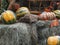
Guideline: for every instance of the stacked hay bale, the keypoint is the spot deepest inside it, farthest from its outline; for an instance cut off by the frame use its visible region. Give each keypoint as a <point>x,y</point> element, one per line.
<point>18,34</point>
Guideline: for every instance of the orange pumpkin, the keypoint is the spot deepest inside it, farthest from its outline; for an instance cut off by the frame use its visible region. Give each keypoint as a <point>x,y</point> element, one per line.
<point>47,9</point>
<point>53,40</point>
<point>54,23</point>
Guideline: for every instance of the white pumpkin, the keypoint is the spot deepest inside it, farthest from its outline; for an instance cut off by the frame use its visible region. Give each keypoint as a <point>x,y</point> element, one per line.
<point>47,16</point>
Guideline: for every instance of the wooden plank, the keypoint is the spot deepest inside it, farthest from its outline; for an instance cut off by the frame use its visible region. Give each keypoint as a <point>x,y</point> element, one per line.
<point>35,12</point>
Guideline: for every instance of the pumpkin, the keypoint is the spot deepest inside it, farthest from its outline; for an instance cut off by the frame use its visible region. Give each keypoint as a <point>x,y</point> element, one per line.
<point>54,23</point>
<point>8,17</point>
<point>47,9</point>
<point>53,40</point>
<point>22,11</point>
<point>47,16</point>
<point>57,12</point>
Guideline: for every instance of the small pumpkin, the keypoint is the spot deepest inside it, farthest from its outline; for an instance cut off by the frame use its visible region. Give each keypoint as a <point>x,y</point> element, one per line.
<point>22,11</point>
<point>8,17</point>
<point>47,15</point>
<point>47,9</point>
<point>55,22</point>
<point>57,12</point>
<point>53,40</point>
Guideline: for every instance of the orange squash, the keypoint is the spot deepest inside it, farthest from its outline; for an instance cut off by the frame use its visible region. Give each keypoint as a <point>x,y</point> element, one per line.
<point>54,23</point>
<point>47,9</point>
<point>8,17</point>
<point>53,40</point>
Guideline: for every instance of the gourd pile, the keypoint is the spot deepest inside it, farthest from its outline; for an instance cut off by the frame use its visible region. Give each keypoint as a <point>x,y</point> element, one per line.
<point>9,17</point>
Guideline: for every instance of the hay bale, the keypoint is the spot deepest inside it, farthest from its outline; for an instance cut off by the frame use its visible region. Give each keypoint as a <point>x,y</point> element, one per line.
<point>44,31</point>
<point>16,34</point>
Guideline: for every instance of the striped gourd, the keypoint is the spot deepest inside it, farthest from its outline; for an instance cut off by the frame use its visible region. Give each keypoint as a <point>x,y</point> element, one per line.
<point>22,11</point>
<point>47,15</point>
